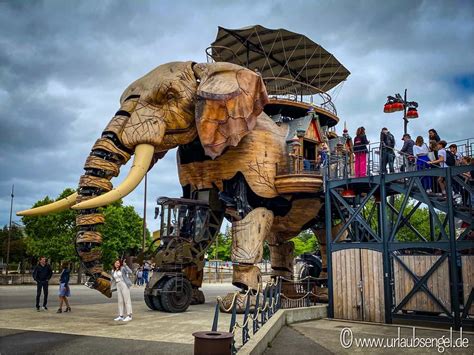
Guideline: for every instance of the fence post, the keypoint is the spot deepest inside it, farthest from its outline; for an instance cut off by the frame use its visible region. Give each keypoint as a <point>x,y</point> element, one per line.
<point>255,325</point>
<point>216,318</point>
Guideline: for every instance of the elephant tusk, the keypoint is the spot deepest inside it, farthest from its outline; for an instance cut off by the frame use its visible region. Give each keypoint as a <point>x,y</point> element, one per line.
<point>141,163</point>
<point>57,206</point>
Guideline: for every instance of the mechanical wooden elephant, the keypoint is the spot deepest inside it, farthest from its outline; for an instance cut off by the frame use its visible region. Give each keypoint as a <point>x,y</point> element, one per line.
<point>227,146</point>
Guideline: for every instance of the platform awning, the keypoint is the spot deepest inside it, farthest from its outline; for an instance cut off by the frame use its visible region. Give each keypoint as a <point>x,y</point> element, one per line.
<point>287,61</point>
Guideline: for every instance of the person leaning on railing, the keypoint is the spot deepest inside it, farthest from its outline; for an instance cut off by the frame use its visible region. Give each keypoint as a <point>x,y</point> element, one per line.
<point>421,151</point>
<point>407,151</point>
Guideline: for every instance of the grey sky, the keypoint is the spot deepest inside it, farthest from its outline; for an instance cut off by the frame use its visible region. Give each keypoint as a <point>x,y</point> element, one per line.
<point>64,65</point>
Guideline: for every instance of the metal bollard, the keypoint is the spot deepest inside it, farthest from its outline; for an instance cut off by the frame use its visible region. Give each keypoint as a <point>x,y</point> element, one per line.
<point>213,343</point>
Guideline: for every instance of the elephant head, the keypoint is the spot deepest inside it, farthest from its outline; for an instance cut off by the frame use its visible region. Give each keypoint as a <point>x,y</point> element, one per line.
<point>169,106</point>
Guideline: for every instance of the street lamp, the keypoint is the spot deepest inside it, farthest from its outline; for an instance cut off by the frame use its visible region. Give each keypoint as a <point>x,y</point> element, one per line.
<point>10,227</point>
<point>399,103</point>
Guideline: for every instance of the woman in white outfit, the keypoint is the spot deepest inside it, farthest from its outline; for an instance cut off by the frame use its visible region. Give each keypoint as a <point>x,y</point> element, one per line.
<point>121,282</point>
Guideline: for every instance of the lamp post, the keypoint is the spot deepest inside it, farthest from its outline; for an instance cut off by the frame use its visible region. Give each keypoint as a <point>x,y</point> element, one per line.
<point>399,103</point>
<point>10,228</point>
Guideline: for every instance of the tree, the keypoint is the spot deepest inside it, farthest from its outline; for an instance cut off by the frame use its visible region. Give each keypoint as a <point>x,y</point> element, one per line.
<point>305,242</point>
<point>51,235</point>
<point>17,244</point>
<point>224,246</point>
<point>121,233</point>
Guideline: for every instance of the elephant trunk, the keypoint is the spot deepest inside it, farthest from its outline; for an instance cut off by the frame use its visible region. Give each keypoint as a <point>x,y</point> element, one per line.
<point>103,163</point>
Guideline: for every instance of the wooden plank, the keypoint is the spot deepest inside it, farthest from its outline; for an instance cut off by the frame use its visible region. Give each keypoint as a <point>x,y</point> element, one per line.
<point>354,280</point>
<point>365,284</point>
<point>336,281</point>
<point>375,282</point>
<point>436,285</point>
<point>446,283</point>
<point>467,262</point>
<point>345,306</point>
<point>359,282</point>
<point>381,289</point>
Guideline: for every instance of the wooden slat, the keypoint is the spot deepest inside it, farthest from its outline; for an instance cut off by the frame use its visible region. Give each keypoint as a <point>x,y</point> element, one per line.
<point>467,262</point>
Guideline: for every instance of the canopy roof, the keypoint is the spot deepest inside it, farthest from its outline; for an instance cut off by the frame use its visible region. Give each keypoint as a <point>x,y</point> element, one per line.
<point>289,62</point>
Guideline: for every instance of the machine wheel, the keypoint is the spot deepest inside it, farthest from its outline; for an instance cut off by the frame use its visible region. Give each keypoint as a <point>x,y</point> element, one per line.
<point>154,302</point>
<point>174,301</point>
<point>149,301</point>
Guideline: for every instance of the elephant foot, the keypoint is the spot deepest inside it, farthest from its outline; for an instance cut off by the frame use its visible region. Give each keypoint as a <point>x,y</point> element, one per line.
<point>227,302</point>
<point>197,297</point>
<point>101,284</point>
<point>321,294</point>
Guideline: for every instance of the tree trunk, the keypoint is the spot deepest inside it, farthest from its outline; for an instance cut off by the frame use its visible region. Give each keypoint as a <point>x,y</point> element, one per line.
<point>79,274</point>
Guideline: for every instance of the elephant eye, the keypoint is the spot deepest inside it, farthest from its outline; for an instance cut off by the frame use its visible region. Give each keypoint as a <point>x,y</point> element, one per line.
<point>170,96</point>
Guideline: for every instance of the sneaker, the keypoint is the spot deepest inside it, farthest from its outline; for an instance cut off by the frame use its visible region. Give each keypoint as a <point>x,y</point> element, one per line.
<point>119,318</point>
<point>429,191</point>
<point>44,308</point>
<point>59,310</point>
<point>37,309</point>
<point>127,319</point>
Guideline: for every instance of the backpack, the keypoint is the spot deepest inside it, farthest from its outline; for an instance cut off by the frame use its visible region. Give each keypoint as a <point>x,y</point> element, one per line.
<point>450,159</point>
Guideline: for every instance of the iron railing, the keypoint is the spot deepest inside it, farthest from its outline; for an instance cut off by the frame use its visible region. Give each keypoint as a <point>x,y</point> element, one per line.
<point>340,166</point>
<point>278,294</point>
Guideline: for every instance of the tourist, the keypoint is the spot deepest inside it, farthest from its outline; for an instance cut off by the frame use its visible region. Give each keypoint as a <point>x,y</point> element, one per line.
<point>441,162</point>
<point>146,272</point>
<point>121,282</point>
<point>433,135</point>
<point>42,274</point>
<point>453,148</point>
<point>433,154</point>
<point>387,145</point>
<point>421,151</point>
<point>360,152</point>
<point>140,276</point>
<point>407,153</point>
<point>64,291</point>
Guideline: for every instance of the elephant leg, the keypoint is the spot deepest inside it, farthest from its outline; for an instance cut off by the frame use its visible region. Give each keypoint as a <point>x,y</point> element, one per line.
<point>281,257</point>
<point>248,236</point>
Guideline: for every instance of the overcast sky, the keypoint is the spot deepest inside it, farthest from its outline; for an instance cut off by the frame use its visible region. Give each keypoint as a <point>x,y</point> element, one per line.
<point>64,65</point>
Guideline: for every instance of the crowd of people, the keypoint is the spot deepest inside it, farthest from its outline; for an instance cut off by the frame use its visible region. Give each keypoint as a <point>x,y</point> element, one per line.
<point>416,155</point>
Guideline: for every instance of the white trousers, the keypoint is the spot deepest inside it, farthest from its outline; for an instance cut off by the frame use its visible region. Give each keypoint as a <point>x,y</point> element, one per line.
<point>123,297</point>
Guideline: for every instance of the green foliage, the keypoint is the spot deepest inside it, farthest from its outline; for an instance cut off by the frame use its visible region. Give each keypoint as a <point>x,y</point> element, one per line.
<point>17,244</point>
<point>305,242</point>
<point>420,219</point>
<point>53,235</point>
<point>224,246</point>
<point>122,232</point>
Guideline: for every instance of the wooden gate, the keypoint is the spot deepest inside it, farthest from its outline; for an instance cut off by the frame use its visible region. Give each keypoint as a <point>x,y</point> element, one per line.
<point>437,283</point>
<point>358,285</point>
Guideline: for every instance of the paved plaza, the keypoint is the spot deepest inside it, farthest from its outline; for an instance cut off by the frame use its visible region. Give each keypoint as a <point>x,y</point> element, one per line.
<point>90,327</point>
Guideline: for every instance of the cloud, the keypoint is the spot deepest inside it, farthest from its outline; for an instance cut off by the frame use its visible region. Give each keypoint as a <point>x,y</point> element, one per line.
<point>64,65</point>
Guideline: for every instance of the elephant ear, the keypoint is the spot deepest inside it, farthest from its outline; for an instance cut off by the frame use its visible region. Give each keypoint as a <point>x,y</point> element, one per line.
<point>229,99</point>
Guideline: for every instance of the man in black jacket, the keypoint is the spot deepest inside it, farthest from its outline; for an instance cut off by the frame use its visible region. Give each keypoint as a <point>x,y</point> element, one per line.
<point>387,144</point>
<point>41,274</point>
